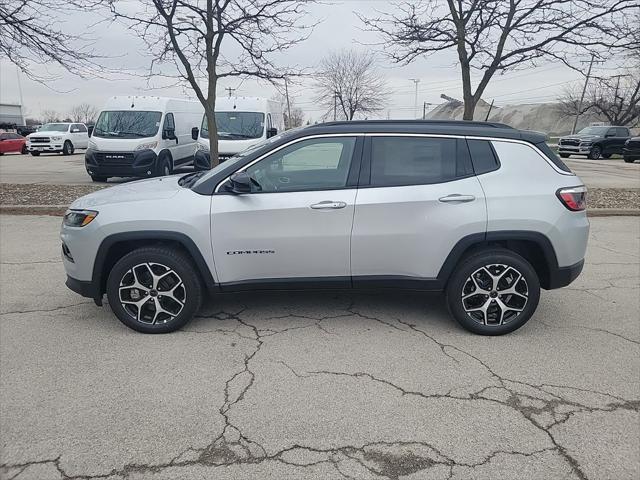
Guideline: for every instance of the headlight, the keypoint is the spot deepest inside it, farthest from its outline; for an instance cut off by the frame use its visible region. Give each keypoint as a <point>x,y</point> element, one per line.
<point>56,139</point>
<point>147,146</point>
<point>79,218</point>
<point>201,147</point>
<point>586,144</point>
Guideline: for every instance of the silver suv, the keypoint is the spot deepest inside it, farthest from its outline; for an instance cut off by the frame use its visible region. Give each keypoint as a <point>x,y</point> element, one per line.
<point>482,211</point>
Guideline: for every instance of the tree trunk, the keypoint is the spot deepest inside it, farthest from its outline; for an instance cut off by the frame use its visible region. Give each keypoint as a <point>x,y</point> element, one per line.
<point>467,94</point>
<point>211,122</point>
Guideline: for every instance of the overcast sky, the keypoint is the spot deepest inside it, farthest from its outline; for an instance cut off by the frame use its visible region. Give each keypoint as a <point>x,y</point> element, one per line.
<point>339,29</point>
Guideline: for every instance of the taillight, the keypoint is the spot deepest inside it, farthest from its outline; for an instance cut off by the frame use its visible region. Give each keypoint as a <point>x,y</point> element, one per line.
<point>574,198</point>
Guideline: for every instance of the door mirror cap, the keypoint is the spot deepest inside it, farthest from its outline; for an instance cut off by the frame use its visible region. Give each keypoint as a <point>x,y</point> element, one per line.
<point>195,132</point>
<point>75,130</point>
<point>239,182</point>
<point>610,135</point>
<point>272,132</point>
<point>169,134</point>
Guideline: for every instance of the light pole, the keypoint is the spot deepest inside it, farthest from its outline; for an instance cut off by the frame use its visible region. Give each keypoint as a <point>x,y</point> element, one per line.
<point>416,81</point>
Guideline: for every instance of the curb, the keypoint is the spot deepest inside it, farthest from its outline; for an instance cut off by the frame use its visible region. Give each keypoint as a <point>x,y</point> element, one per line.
<point>53,210</point>
<point>613,212</point>
<point>58,211</point>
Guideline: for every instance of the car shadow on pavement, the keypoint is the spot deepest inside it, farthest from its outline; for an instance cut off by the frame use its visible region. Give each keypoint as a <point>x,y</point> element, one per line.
<point>279,309</point>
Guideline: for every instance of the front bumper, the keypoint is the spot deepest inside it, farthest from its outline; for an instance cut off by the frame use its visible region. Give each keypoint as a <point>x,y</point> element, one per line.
<point>575,150</point>
<point>141,163</point>
<point>45,147</point>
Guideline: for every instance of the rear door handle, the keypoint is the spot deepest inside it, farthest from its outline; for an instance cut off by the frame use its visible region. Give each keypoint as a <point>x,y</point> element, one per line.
<point>457,198</point>
<point>328,204</point>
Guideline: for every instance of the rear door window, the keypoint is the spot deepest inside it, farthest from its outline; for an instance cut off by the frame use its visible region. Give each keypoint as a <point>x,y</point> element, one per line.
<point>397,161</point>
<point>483,157</point>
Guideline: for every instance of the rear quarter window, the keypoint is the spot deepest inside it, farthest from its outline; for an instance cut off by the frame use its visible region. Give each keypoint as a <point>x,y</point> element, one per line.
<point>551,155</point>
<point>483,156</point>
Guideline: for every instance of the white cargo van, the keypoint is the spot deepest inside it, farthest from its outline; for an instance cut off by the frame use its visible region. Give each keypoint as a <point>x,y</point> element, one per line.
<point>242,122</point>
<point>142,136</point>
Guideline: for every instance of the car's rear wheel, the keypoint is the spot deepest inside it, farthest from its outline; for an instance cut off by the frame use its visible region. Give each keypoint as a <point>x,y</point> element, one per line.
<point>595,152</point>
<point>67,148</point>
<point>629,160</point>
<point>35,154</point>
<point>493,292</point>
<point>154,290</point>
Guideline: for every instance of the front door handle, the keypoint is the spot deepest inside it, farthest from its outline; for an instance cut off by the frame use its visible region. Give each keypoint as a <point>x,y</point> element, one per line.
<point>328,204</point>
<point>457,198</point>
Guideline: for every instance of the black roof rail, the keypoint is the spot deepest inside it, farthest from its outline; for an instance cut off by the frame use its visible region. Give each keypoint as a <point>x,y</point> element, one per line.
<point>461,123</point>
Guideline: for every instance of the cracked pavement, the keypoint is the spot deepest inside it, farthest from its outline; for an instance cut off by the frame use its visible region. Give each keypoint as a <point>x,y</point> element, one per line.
<point>332,385</point>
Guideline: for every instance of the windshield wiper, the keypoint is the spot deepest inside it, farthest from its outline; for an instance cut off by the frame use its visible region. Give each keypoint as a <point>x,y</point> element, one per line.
<point>190,178</point>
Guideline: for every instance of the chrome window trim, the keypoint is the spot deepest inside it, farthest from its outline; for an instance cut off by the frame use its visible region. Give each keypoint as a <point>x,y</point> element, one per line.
<point>394,134</point>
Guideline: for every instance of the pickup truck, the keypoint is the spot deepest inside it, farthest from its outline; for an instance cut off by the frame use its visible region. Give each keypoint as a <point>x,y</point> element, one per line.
<point>594,142</point>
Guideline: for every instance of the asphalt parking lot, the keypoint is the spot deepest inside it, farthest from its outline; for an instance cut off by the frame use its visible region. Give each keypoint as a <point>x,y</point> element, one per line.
<point>319,386</point>
<point>61,170</point>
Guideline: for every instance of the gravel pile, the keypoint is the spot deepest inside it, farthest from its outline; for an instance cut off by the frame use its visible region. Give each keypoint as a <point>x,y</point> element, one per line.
<point>40,194</point>
<point>624,198</point>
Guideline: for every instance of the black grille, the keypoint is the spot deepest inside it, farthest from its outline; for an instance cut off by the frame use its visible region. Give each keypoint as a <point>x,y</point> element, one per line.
<point>633,144</point>
<point>40,140</point>
<point>570,142</point>
<point>114,158</point>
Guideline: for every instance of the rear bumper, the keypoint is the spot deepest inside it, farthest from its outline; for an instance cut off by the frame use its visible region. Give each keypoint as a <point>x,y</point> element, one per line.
<point>120,164</point>
<point>562,276</point>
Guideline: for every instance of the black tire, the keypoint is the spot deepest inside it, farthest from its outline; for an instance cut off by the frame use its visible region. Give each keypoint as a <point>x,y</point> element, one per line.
<point>163,168</point>
<point>67,148</point>
<point>97,178</point>
<point>564,155</point>
<point>24,150</point>
<point>169,258</point>
<point>503,261</point>
<point>595,153</point>
<point>628,160</point>
<point>35,154</point>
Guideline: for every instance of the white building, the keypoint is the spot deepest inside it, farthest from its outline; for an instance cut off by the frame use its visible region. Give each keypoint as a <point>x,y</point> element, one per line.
<point>10,115</point>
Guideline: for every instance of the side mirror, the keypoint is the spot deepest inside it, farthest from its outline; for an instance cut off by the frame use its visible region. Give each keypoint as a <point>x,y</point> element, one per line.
<point>75,130</point>
<point>240,182</point>
<point>608,135</point>
<point>272,132</point>
<point>89,130</point>
<point>195,132</point>
<point>169,134</point>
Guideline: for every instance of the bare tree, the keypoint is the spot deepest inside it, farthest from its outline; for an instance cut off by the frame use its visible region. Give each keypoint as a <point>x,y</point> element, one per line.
<point>212,40</point>
<point>30,37</point>
<point>494,36</point>
<point>297,115</point>
<point>83,113</point>
<point>348,84</point>
<point>49,116</point>
<point>615,98</point>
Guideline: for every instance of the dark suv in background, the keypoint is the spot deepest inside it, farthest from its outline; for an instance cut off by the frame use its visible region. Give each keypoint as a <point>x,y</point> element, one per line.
<point>594,142</point>
<point>631,151</point>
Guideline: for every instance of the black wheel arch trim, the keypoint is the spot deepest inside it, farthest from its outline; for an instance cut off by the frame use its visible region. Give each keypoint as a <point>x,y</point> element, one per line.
<point>98,278</point>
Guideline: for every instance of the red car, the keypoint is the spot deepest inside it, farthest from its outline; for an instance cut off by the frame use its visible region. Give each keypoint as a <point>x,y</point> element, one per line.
<point>12,142</point>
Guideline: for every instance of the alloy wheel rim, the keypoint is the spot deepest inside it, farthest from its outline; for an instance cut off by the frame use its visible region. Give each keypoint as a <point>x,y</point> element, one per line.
<point>152,293</point>
<point>495,294</point>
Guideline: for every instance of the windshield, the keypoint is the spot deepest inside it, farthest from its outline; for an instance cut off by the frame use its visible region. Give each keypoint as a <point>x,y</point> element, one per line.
<point>54,127</point>
<point>236,125</point>
<point>127,124</point>
<point>594,131</point>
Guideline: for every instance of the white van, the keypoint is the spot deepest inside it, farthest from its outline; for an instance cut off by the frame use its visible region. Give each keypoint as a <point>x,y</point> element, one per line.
<point>242,122</point>
<point>142,136</point>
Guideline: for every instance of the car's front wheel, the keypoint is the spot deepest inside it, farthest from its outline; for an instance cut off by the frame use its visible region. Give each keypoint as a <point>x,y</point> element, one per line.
<point>596,152</point>
<point>67,148</point>
<point>24,150</point>
<point>154,290</point>
<point>629,160</point>
<point>564,155</point>
<point>35,154</point>
<point>493,292</point>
